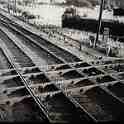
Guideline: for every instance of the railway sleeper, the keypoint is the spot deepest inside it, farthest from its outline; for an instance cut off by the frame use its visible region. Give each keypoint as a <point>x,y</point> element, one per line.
<point>117,89</point>
<point>61,72</point>
<point>99,98</point>
<point>53,67</point>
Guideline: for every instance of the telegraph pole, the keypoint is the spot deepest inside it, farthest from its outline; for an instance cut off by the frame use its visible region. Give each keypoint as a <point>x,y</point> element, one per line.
<point>8,6</point>
<point>15,6</point>
<point>99,22</point>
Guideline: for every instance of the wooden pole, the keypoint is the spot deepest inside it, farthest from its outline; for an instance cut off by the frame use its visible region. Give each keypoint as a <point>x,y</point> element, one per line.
<point>15,7</point>
<point>8,7</point>
<point>99,22</point>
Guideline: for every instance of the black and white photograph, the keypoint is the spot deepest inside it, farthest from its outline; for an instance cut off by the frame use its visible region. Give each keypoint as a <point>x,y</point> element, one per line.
<point>61,61</point>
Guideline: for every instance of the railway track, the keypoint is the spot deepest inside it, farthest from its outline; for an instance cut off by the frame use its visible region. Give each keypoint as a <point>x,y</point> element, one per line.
<point>4,63</point>
<point>51,48</point>
<point>38,99</point>
<point>60,35</point>
<point>64,89</point>
<point>67,90</point>
<point>56,101</point>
